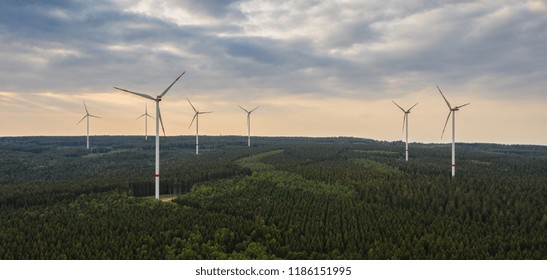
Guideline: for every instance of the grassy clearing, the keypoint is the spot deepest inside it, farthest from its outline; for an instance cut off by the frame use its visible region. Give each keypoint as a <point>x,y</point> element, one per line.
<point>375,152</point>
<point>254,162</point>
<point>167,198</point>
<point>376,166</point>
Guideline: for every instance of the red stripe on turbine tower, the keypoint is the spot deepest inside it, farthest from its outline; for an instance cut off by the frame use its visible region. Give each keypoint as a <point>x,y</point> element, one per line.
<point>156,175</point>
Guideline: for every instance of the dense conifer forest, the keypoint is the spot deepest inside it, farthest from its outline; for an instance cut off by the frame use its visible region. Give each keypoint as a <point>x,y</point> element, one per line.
<point>282,198</point>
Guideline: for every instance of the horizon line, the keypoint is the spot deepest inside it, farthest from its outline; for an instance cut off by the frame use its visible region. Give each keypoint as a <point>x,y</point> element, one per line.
<point>281,136</point>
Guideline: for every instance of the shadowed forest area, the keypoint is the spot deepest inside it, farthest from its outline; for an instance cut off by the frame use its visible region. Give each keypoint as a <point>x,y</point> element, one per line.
<point>282,198</point>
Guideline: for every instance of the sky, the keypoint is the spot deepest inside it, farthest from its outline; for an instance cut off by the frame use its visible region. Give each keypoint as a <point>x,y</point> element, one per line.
<point>315,68</point>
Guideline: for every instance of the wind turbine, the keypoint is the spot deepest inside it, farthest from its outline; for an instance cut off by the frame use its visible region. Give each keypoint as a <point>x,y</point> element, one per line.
<point>87,115</point>
<point>453,113</point>
<point>196,117</point>
<point>158,122</point>
<point>248,123</point>
<point>405,123</point>
<point>146,116</point>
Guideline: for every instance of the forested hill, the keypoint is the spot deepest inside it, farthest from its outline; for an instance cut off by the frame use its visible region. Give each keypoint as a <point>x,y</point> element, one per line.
<point>282,198</point>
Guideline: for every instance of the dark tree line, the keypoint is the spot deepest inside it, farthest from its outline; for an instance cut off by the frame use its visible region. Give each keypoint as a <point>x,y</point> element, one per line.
<point>286,198</point>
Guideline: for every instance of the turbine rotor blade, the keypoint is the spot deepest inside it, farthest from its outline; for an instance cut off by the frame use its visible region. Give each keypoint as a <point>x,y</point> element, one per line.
<point>445,123</point>
<point>254,109</point>
<point>205,112</point>
<point>447,103</point>
<point>192,122</point>
<point>398,106</point>
<point>136,93</point>
<point>141,116</point>
<point>404,119</point>
<point>87,112</point>
<point>95,116</point>
<point>243,109</point>
<point>458,107</point>
<point>81,120</point>
<point>412,107</point>
<point>168,88</point>
<point>161,122</point>
<point>192,105</point>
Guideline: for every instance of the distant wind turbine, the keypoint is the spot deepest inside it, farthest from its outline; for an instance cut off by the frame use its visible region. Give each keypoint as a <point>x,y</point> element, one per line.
<point>196,117</point>
<point>405,123</point>
<point>453,113</point>
<point>87,115</point>
<point>248,123</point>
<point>146,116</point>
<point>158,122</point>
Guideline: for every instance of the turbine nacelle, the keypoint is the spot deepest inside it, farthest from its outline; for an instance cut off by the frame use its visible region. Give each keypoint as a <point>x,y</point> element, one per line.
<point>247,111</point>
<point>196,113</point>
<point>404,111</point>
<point>145,113</point>
<point>87,115</point>
<point>457,108</point>
<point>452,110</point>
<point>158,98</point>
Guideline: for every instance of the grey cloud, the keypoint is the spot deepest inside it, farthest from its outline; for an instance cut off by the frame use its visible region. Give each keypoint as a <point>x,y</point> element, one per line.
<point>212,8</point>
<point>84,46</point>
<point>254,50</point>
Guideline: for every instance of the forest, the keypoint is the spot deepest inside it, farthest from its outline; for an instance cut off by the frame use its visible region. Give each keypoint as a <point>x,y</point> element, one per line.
<point>281,198</point>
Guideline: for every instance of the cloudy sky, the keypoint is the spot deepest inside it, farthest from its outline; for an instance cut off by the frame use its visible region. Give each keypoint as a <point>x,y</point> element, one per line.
<point>316,68</point>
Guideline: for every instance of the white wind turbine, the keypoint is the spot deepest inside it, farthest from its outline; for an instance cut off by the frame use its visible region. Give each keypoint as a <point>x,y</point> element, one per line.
<point>405,123</point>
<point>248,123</point>
<point>453,113</point>
<point>196,117</point>
<point>158,122</point>
<point>146,116</point>
<point>87,115</point>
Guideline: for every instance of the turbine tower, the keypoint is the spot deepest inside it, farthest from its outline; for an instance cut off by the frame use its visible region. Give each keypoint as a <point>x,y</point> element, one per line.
<point>405,123</point>
<point>453,113</point>
<point>196,117</point>
<point>248,123</point>
<point>146,116</point>
<point>158,122</point>
<point>87,115</point>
